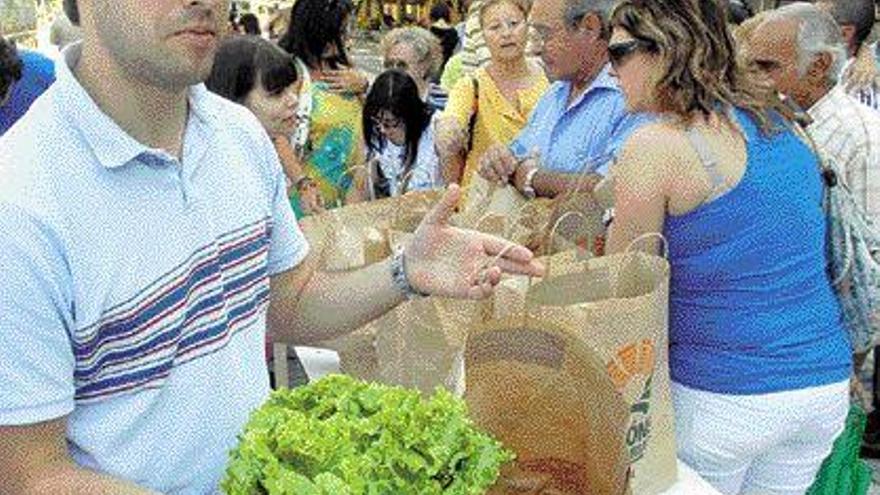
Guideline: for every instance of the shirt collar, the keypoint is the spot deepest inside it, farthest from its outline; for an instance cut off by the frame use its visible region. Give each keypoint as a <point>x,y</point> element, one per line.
<point>828,104</point>
<point>112,146</point>
<point>603,80</point>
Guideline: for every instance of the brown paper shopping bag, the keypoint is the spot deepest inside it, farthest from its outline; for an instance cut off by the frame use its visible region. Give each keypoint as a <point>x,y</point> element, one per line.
<point>546,396</point>
<point>420,343</point>
<point>502,211</point>
<point>354,236</point>
<point>617,305</point>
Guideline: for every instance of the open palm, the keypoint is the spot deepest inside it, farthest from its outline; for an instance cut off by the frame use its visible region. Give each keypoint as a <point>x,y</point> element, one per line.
<point>451,262</point>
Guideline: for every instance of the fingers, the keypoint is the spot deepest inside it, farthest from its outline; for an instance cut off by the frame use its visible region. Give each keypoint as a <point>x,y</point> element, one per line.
<point>484,283</point>
<point>489,168</point>
<point>512,258</point>
<point>531,269</point>
<point>439,215</point>
<point>498,164</point>
<point>494,246</point>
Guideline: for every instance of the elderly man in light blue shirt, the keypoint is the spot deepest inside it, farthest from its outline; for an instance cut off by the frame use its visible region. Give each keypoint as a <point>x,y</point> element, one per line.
<point>581,121</point>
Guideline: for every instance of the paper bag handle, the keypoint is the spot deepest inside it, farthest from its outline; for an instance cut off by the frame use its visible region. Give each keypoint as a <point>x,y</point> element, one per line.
<point>492,263</point>
<point>615,276</point>
<point>551,236</point>
<point>650,235</point>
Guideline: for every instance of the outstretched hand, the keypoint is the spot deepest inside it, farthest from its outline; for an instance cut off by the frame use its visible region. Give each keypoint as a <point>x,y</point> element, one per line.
<point>447,261</point>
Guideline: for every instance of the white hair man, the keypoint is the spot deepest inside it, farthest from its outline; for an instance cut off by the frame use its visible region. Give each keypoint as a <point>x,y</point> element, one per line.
<point>802,51</point>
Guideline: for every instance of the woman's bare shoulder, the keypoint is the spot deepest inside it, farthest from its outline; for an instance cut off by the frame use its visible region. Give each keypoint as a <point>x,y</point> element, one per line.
<point>653,146</point>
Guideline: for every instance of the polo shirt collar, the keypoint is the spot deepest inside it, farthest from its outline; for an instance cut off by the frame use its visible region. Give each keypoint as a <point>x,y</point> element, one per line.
<point>112,146</point>
<point>603,80</point>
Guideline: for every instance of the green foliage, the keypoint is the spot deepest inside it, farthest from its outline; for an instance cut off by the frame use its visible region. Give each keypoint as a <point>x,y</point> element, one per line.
<point>340,436</point>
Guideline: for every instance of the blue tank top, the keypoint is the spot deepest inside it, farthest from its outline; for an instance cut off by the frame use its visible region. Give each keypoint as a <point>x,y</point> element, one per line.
<point>751,307</point>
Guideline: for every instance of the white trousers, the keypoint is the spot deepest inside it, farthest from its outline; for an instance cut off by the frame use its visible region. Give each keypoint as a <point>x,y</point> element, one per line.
<point>769,444</point>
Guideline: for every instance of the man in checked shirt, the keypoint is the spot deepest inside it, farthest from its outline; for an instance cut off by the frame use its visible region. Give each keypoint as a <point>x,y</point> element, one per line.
<point>803,51</point>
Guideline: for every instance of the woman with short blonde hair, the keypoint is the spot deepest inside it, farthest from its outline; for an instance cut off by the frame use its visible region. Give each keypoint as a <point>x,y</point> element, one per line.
<point>493,104</point>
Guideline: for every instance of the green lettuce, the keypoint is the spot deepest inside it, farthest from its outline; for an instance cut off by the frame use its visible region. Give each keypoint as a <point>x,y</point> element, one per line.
<point>341,436</point>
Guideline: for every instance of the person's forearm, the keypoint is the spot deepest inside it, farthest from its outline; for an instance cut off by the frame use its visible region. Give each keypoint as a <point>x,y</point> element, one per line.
<point>73,480</point>
<point>335,303</point>
<point>452,169</point>
<point>290,164</point>
<point>549,184</point>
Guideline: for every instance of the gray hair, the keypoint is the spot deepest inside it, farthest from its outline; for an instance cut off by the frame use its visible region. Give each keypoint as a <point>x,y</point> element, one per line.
<point>578,9</point>
<point>422,41</point>
<point>818,33</point>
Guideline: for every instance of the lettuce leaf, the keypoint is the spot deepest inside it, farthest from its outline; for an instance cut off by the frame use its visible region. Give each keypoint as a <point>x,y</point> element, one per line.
<point>341,436</point>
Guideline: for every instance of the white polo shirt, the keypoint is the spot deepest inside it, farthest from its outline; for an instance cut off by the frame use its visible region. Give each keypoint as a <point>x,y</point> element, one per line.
<point>135,286</point>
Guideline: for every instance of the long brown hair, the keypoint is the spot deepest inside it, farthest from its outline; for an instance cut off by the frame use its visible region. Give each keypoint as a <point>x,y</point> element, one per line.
<point>702,74</point>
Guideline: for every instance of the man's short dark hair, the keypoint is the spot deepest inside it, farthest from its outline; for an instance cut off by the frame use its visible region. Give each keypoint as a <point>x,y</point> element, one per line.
<point>440,11</point>
<point>10,66</point>
<point>72,11</point>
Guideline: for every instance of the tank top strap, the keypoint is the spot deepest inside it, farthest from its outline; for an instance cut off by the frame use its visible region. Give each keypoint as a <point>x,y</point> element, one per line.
<point>709,160</point>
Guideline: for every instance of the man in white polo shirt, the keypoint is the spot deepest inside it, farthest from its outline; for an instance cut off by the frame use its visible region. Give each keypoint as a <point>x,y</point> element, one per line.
<point>144,230</point>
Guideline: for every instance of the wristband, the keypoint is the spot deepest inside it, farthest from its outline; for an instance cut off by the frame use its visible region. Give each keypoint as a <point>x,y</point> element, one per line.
<point>398,275</point>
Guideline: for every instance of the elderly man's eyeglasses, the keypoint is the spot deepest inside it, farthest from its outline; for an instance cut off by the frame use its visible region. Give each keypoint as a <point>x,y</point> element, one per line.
<point>619,52</point>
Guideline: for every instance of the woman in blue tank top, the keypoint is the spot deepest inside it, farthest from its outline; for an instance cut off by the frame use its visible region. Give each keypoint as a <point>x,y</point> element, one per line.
<point>758,357</point>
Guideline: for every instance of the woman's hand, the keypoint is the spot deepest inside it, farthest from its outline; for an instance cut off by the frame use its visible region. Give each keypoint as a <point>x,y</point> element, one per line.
<point>498,164</point>
<point>310,200</point>
<point>351,81</point>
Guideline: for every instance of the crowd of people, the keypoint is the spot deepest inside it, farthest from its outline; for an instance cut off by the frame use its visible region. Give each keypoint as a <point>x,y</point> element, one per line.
<point>153,175</point>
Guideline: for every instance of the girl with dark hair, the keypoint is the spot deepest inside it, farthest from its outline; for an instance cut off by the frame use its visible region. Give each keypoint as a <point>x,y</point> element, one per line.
<point>758,357</point>
<point>250,24</point>
<point>257,74</point>
<point>399,135</point>
<point>329,137</point>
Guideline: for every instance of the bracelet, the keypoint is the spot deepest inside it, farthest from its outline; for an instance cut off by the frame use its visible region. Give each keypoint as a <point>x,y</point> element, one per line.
<point>528,186</point>
<point>398,275</point>
<point>302,181</point>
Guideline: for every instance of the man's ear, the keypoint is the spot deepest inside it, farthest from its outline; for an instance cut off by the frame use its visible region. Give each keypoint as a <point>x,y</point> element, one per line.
<point>849,35</point>
<point>819,67</point>
<point>591,22</point>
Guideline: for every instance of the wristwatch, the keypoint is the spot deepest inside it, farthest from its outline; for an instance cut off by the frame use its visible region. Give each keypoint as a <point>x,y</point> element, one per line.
<point>398,275</point>
<point>528,188</point>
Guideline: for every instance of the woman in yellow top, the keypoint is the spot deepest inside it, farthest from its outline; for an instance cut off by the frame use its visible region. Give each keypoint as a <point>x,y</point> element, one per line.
<point>507,90</point>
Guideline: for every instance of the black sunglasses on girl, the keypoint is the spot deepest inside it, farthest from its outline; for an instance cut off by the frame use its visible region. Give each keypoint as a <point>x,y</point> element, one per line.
<point>619,52</point>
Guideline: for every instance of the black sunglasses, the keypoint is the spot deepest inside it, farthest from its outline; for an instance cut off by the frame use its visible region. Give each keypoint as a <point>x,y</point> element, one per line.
<point>619,52</point>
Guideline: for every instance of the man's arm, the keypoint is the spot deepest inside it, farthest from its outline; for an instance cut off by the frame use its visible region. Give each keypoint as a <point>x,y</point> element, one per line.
<point>549,184</point>
<point>309,306</point>
<point>36,461</point>
<point>312,306</point>
<point>500,164</point>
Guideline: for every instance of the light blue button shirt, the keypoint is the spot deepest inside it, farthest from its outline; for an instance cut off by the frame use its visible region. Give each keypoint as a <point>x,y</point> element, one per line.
<point>586,133</point>
<point>135,284</point>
